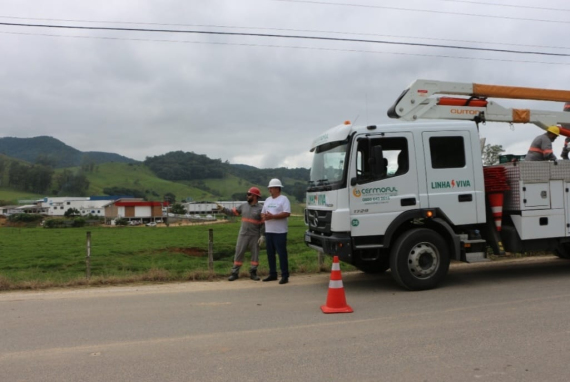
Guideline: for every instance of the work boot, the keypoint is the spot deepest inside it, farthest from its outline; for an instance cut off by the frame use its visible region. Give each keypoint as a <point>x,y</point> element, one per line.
<point>253,275</point>
<point>233,276</point>
<point>270,278</point>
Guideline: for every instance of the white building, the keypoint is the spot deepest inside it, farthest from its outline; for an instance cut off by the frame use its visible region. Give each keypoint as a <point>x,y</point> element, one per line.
<point>208,208</point>
<point>57,206</point>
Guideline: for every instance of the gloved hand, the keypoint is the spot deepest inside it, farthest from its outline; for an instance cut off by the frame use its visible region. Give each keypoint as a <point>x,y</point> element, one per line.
<point>261,241</point>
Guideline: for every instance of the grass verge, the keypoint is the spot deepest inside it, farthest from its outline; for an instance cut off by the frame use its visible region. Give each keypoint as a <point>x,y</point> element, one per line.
<point>37,258</point>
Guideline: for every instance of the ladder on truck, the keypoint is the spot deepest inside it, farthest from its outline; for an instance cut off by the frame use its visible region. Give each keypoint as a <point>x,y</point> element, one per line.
<point>419,101</point>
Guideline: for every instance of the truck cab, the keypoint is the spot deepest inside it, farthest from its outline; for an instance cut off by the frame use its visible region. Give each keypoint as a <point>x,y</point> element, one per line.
<point>368,184</point>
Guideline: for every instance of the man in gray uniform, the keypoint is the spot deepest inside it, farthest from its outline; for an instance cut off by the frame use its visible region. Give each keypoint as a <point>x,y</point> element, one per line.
<point>541,146</point>
<point>251,233</point>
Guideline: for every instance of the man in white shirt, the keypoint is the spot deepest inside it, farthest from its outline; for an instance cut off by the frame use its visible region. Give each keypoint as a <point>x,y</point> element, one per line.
<point>276,210</point>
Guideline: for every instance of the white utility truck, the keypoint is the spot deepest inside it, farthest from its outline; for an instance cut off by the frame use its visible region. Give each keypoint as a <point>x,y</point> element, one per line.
<point>410,197</point>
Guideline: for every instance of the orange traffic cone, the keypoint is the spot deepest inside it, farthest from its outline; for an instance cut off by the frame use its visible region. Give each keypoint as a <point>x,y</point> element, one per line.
<point>496,201</point>
<point>336,301</point>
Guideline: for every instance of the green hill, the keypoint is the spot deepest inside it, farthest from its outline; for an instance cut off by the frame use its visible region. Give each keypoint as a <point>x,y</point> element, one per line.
<point>213,175</point>
<point>139,177</point>
<point>53,152</point>
<point>28,172</point>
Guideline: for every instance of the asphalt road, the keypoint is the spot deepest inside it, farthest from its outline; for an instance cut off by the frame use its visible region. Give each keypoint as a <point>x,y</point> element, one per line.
<point>504,321</point>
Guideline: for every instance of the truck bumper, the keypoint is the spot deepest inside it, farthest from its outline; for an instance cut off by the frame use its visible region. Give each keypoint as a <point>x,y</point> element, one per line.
<point>337,244</point>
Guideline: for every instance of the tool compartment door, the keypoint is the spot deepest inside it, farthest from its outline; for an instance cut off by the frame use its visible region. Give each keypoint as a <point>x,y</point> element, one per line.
<point>536,194</point>
<point>450,175</point>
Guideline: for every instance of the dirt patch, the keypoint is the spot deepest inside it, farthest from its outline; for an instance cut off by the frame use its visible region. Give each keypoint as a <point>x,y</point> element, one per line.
<point>194,252</point>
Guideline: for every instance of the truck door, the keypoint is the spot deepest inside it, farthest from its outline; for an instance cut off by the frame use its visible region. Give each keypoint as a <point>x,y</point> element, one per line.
<point>450,175</point>
<point>375,202</point>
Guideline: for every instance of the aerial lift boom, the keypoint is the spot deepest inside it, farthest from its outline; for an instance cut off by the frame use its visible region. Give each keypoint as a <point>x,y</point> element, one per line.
<point>417,102</point>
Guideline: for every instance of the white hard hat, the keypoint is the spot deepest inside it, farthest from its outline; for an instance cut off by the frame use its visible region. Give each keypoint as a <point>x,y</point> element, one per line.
<point>275,183</point>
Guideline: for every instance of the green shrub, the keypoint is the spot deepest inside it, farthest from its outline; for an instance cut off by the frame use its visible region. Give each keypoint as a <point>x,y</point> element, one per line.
<point>78,222</point>
<point>55,223</point>
<point>24,218</point>
<point>64,223</point>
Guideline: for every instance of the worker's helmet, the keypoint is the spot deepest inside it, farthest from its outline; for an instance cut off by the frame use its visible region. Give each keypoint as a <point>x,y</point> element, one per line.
<point>254,191</point>
<point>275,183</point>
<point>554,130</point>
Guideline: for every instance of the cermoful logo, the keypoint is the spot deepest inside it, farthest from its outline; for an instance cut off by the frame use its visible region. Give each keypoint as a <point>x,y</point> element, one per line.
<point>375,194</point>
<point>375,191</point>
<point>451,184</point>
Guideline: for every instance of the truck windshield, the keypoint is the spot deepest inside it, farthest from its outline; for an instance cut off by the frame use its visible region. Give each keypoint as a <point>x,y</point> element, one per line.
<point>327,171</point>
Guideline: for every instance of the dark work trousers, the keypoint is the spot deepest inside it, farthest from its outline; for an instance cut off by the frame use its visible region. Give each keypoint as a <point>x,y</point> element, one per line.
<point>277,242</point>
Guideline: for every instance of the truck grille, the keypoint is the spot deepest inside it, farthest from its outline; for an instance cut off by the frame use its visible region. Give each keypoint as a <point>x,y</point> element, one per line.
<point>318,221</point>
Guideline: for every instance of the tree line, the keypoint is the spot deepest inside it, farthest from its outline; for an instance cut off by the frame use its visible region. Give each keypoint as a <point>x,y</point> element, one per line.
<point>40,178</point>
<point>178,165</point>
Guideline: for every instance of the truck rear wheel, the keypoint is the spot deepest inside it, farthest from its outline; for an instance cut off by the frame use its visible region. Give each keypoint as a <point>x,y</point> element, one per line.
<point>419,259</point>
<point>563,251</point>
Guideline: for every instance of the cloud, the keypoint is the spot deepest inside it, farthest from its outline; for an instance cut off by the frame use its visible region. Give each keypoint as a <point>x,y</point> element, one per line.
<point>259,101</point>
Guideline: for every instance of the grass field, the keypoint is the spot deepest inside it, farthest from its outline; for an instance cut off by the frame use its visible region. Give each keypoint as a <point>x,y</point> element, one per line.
<point>33,258</point>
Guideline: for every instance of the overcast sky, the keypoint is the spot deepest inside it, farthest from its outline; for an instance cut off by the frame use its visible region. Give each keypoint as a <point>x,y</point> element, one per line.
<point>256,100</point>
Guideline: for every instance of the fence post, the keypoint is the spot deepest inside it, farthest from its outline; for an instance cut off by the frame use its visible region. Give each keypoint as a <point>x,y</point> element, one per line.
<point>211,253</point>
<point>88,257</point>
<point>320,259</point>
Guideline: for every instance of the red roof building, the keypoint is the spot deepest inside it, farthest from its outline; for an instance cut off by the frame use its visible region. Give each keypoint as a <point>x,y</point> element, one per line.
<point>141,210</point>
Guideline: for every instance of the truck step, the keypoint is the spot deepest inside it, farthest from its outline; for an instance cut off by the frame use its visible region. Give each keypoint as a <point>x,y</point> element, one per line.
<point>476,257</point>
<point>474,241</point>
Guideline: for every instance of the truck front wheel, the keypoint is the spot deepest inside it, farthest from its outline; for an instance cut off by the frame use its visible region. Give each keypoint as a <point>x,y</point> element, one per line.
<point>419,259</point>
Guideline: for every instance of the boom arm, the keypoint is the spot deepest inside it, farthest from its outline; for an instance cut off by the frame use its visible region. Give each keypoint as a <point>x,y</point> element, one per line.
<point>417,102</point>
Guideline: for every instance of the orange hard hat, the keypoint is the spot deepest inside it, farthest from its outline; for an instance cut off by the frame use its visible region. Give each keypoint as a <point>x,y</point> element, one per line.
<point>254,191</point>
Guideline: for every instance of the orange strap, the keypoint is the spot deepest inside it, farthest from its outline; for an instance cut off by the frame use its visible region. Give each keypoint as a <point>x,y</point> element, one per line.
<point>252,221</point>
<point>537,150</point>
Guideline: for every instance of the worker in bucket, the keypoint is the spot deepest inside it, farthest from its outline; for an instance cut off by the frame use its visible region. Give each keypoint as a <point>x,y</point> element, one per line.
<point>541,146</point>
<point>251,233</point>
<point>276,210</point>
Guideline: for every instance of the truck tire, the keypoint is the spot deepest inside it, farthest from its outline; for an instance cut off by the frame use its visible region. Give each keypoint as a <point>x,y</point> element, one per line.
<point>380,265</point>
<point>419,259</point>
<point>563,251</point>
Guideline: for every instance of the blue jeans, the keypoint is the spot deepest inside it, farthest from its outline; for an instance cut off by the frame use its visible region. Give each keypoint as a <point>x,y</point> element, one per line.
<point>277,242</point>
